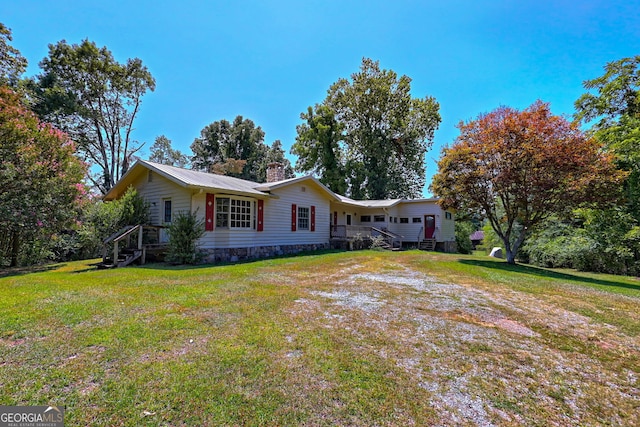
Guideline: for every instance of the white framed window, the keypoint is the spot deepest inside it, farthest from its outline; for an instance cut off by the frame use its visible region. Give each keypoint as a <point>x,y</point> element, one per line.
<point>417,219</point>
<point>303,218</point>
<point>404,220</point>
<point>378,218</point>
<point>447,215</point>
<point>365,218</point>
<point>234,213</point>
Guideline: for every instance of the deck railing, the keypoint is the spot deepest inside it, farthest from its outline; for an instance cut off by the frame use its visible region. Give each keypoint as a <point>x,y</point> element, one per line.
<point>348,232</point>
<point>351,232</point>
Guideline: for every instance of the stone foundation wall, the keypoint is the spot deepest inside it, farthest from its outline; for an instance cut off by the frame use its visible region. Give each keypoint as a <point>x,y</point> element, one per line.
<point>243,254</point>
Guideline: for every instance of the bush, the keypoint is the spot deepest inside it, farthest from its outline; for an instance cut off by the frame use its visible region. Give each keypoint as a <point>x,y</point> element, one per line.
<point>184,233</point>
<point>596,240</point>
<point>463,230</point>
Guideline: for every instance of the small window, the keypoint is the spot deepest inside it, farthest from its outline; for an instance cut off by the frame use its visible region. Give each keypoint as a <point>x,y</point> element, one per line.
<point>303,218</point>
<point>404,220</point>
<point>448,215</point>
<point>417,219</point>
<point>395,220</point>
<point>167,211</point>
<point>365,218</point>
<point>378,218</point>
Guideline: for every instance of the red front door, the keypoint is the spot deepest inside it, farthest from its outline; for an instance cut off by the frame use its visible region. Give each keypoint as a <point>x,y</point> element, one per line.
<point>429,226</point>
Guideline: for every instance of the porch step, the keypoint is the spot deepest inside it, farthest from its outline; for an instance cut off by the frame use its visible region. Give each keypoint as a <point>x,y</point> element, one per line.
<point>427,245</point>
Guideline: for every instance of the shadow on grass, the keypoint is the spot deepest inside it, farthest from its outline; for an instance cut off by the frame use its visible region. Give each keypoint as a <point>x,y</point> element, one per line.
<point>21,271</point>
<point>537,271</point>
<point>169,266</point>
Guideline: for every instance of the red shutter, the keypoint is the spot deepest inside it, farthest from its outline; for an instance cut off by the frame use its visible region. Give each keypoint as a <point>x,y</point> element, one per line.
<point>313,218</point>
<point>335,218</point>
<point>260,215</point>
<point>209,212</point>
<point>294,209</point>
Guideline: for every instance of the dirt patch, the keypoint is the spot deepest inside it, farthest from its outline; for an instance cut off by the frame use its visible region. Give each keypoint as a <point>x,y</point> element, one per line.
<point>484,356</point>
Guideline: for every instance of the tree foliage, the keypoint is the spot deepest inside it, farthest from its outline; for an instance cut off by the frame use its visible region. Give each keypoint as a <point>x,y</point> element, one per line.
<point>233,149</point>
<point>320,147</point>
<point>517,168</point>
<point>275,154</point>
<point>617,94</point>
<point>614,110</point>
<point>463,231</point>
<point>605,241</point>
<point>237,149</point>
<point>377,138</point>
<point>12,63</point>
<point>40,178</point>
<point>162,152</point>
<point>87,93</point>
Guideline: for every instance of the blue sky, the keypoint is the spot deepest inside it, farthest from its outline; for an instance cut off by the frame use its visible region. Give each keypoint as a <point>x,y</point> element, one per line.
<point>269,60</point>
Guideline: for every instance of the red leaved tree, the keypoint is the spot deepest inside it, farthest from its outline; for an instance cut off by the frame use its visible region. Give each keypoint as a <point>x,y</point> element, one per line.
<point>516,168</point>
<point>40,179</point>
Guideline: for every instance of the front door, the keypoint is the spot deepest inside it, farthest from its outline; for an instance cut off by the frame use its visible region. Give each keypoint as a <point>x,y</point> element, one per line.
<point>429,226</point>
<point>348,219</point>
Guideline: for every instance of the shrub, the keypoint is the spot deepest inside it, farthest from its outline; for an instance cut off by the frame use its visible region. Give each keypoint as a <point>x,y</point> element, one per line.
<point>601,241</point>
<point>463,230</point>
<point>184,233</point>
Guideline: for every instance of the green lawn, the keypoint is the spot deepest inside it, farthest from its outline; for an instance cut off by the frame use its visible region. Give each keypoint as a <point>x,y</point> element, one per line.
<point>355,338</point>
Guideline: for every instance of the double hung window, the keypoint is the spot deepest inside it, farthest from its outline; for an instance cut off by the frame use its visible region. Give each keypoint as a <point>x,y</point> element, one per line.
<point>234,213</point>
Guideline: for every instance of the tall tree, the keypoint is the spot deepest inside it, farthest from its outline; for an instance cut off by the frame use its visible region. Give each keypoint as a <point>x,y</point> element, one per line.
<point>234,149</point>
<point>320,147</point>
<point>516,168</point>
<point>162,152</point>
<point>275,154</point>
<point>12,63</point>
<point>87,93</point>
<point>614,111</point>
<point>40,178</point>
<point>387,132</point>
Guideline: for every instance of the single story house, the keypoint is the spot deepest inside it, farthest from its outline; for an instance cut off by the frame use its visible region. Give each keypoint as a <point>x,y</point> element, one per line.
<point>245,219</point>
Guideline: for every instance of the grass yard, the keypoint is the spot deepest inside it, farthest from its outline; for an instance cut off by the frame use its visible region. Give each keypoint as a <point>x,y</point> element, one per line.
<point>358,338</point>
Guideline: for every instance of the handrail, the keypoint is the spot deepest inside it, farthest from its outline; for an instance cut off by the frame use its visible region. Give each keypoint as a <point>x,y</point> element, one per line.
<point>117,233</point>
<point>387,233</point>
<point>133,228</point>
<point>390,237</point>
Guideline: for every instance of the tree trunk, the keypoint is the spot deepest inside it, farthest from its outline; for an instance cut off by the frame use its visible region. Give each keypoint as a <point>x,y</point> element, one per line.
<point>511,256</point>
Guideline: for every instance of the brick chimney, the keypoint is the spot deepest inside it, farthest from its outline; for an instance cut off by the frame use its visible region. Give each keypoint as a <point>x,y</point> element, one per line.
<point>275,172</point>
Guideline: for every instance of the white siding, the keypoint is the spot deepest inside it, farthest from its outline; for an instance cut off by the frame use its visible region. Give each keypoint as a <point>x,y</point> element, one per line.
<point>277,220</point>
<point>414,232</point>
<point>159,189</point>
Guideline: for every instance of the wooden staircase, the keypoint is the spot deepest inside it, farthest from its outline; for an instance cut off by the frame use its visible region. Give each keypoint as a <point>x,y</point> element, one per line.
<point>125,257</point>
<point>130,251</point>
<point>427,245</point>
<point>391,241</point>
